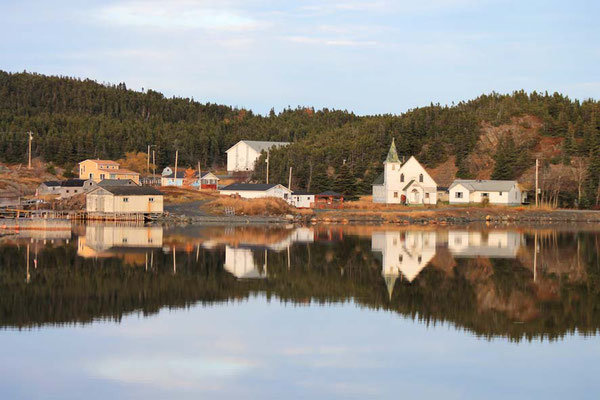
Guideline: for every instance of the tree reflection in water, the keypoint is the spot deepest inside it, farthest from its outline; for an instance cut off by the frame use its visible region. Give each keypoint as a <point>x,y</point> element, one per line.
<point>489,282</point>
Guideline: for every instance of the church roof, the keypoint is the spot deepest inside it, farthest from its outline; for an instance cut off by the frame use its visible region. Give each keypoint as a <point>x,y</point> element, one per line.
<point>380,180</point>
<point>392,156</point>
<point>409,183</point>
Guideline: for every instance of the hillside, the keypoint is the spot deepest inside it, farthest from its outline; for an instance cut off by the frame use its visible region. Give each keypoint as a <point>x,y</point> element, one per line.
<point>491,136</point>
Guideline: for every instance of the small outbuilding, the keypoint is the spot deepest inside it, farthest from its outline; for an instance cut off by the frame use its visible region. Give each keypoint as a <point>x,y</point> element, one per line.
<point>119,200</point>
<point>302,199</point>
<point>464,191</point>
<point>48,188</point>
<point>243,155</point>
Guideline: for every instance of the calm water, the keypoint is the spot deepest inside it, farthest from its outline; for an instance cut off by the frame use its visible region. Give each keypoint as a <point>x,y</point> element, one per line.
<point>322,312</point>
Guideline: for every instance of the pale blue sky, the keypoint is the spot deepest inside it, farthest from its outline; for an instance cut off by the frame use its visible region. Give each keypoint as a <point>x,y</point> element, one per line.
<point>366,56</point>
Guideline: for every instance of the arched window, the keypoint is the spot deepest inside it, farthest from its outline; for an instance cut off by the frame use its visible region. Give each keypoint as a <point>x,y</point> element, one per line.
<point>401,177</point>
<point>420,177</point>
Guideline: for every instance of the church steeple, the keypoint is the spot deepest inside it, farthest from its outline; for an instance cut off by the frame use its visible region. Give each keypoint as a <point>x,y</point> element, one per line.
<point>392,156</point>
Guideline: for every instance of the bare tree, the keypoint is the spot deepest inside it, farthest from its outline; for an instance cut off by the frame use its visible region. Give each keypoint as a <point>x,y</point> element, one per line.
<point>579,170</point>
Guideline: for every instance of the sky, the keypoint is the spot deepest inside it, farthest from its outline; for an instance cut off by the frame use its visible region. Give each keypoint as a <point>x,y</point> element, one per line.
<point>369,57</point>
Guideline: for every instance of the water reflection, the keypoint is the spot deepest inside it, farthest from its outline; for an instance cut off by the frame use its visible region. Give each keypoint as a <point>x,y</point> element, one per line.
<point>491,282</point>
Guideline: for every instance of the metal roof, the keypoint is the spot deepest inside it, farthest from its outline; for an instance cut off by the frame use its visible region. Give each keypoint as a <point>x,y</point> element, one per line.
<point>302,193</point>
<point>51,183</point>
<point>132,190</point>
<point>259,145</point>
<point>330,193</point>
<point>482,185</point>
<point>250,186</point>
<point>380,180</point>
<point>392,156</point>
<point>116,182</point>
<point>73,183</point>
<point>101,161</point>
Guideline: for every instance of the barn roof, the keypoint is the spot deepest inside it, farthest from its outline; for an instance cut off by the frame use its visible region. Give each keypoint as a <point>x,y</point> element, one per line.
<point>260,145</point>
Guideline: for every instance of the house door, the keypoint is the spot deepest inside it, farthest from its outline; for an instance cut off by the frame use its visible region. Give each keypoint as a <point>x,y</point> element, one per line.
<point>416,197</point>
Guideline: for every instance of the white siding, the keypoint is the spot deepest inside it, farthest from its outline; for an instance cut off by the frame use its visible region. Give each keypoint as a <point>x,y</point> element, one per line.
<point>464,193</point>
<point>241,157</point>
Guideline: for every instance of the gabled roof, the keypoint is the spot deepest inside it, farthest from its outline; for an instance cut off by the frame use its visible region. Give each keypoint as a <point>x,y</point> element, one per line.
<point>380,180</point>
<point>116,182</point>
<point>259,145</point>
<point>132,190</point>
<point>261,187</point>
<point>408,185</point>
<point>209,173</point>
<point>302,193</point>
<point>392,156</point>
<point>330,193</point>
<point>122,171</point>
<point>73,183</point>
<point>482,185</point>
<point>101,161</point>
<point>51,183</point>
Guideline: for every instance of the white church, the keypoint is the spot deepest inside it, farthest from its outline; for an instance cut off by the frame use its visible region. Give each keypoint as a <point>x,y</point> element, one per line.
<point>404,183</point>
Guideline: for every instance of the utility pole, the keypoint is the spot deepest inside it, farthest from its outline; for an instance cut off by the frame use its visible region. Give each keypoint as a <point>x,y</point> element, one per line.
<point>290,180</point>
<point>30,139</point>
<point>148,162</point>
<point>153,163</point>
<point>537,166</point>
<point>267,161</point>
<point>175,172</point>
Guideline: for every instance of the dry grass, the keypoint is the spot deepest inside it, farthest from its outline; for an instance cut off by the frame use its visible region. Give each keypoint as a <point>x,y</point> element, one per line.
<point>262,206</point>
<point>178,195</point>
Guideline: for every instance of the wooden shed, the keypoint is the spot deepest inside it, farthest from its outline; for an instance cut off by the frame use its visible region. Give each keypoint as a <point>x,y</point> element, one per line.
<point>115,201</point>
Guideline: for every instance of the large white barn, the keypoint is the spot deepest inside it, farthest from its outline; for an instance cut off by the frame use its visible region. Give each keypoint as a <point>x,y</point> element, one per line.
<point>405,182</point>
<point>463,191</point>
<point>242,155</point>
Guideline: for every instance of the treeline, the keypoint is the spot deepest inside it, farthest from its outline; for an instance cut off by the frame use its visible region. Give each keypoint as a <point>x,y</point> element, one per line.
<point>75,119</point>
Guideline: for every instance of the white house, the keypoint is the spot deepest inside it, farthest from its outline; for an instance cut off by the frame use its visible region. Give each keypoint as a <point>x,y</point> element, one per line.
<point>302,199</point>
<point>463,191</point>
<point>242,155</point>
<point>240,263</point>
<point>257,190</point>
<point>403,253</point>
<point>405,182</point>
<point>493,244</point>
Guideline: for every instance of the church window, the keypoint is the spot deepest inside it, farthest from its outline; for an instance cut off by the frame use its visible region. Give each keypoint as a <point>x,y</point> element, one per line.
<point>420,177</point>
<point>393,167</point>
<point>395,195</point>
<point>401,177</point>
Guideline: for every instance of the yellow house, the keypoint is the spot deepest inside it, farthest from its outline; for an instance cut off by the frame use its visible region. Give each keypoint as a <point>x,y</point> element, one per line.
<point>98,170</point>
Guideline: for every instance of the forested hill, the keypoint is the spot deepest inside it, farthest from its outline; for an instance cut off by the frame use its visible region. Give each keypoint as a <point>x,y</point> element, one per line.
<point>493,135</point>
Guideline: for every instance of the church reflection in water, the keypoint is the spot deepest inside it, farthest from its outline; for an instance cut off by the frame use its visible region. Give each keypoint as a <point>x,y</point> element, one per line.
<point>483,280</point>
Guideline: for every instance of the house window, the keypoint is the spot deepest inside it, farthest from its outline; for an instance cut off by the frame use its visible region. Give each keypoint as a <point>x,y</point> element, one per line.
<point>102,176</point>
<point>419,259</point>
<point>485,195</point>
<point>67,190</point>
<point>395,195</point>
<point>124,240</point>
<point>458,195</point>
<point>400,258</point>
<point>500,193</point>
<point>151,199</point>
<point>401,177</point>
<point>91,175</point>
<point>125,199</point>
<point>426,195</point>
<point>420,177</point>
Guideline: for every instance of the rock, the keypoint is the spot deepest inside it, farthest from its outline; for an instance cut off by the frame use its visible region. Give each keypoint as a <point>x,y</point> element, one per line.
<point>289,217</point>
